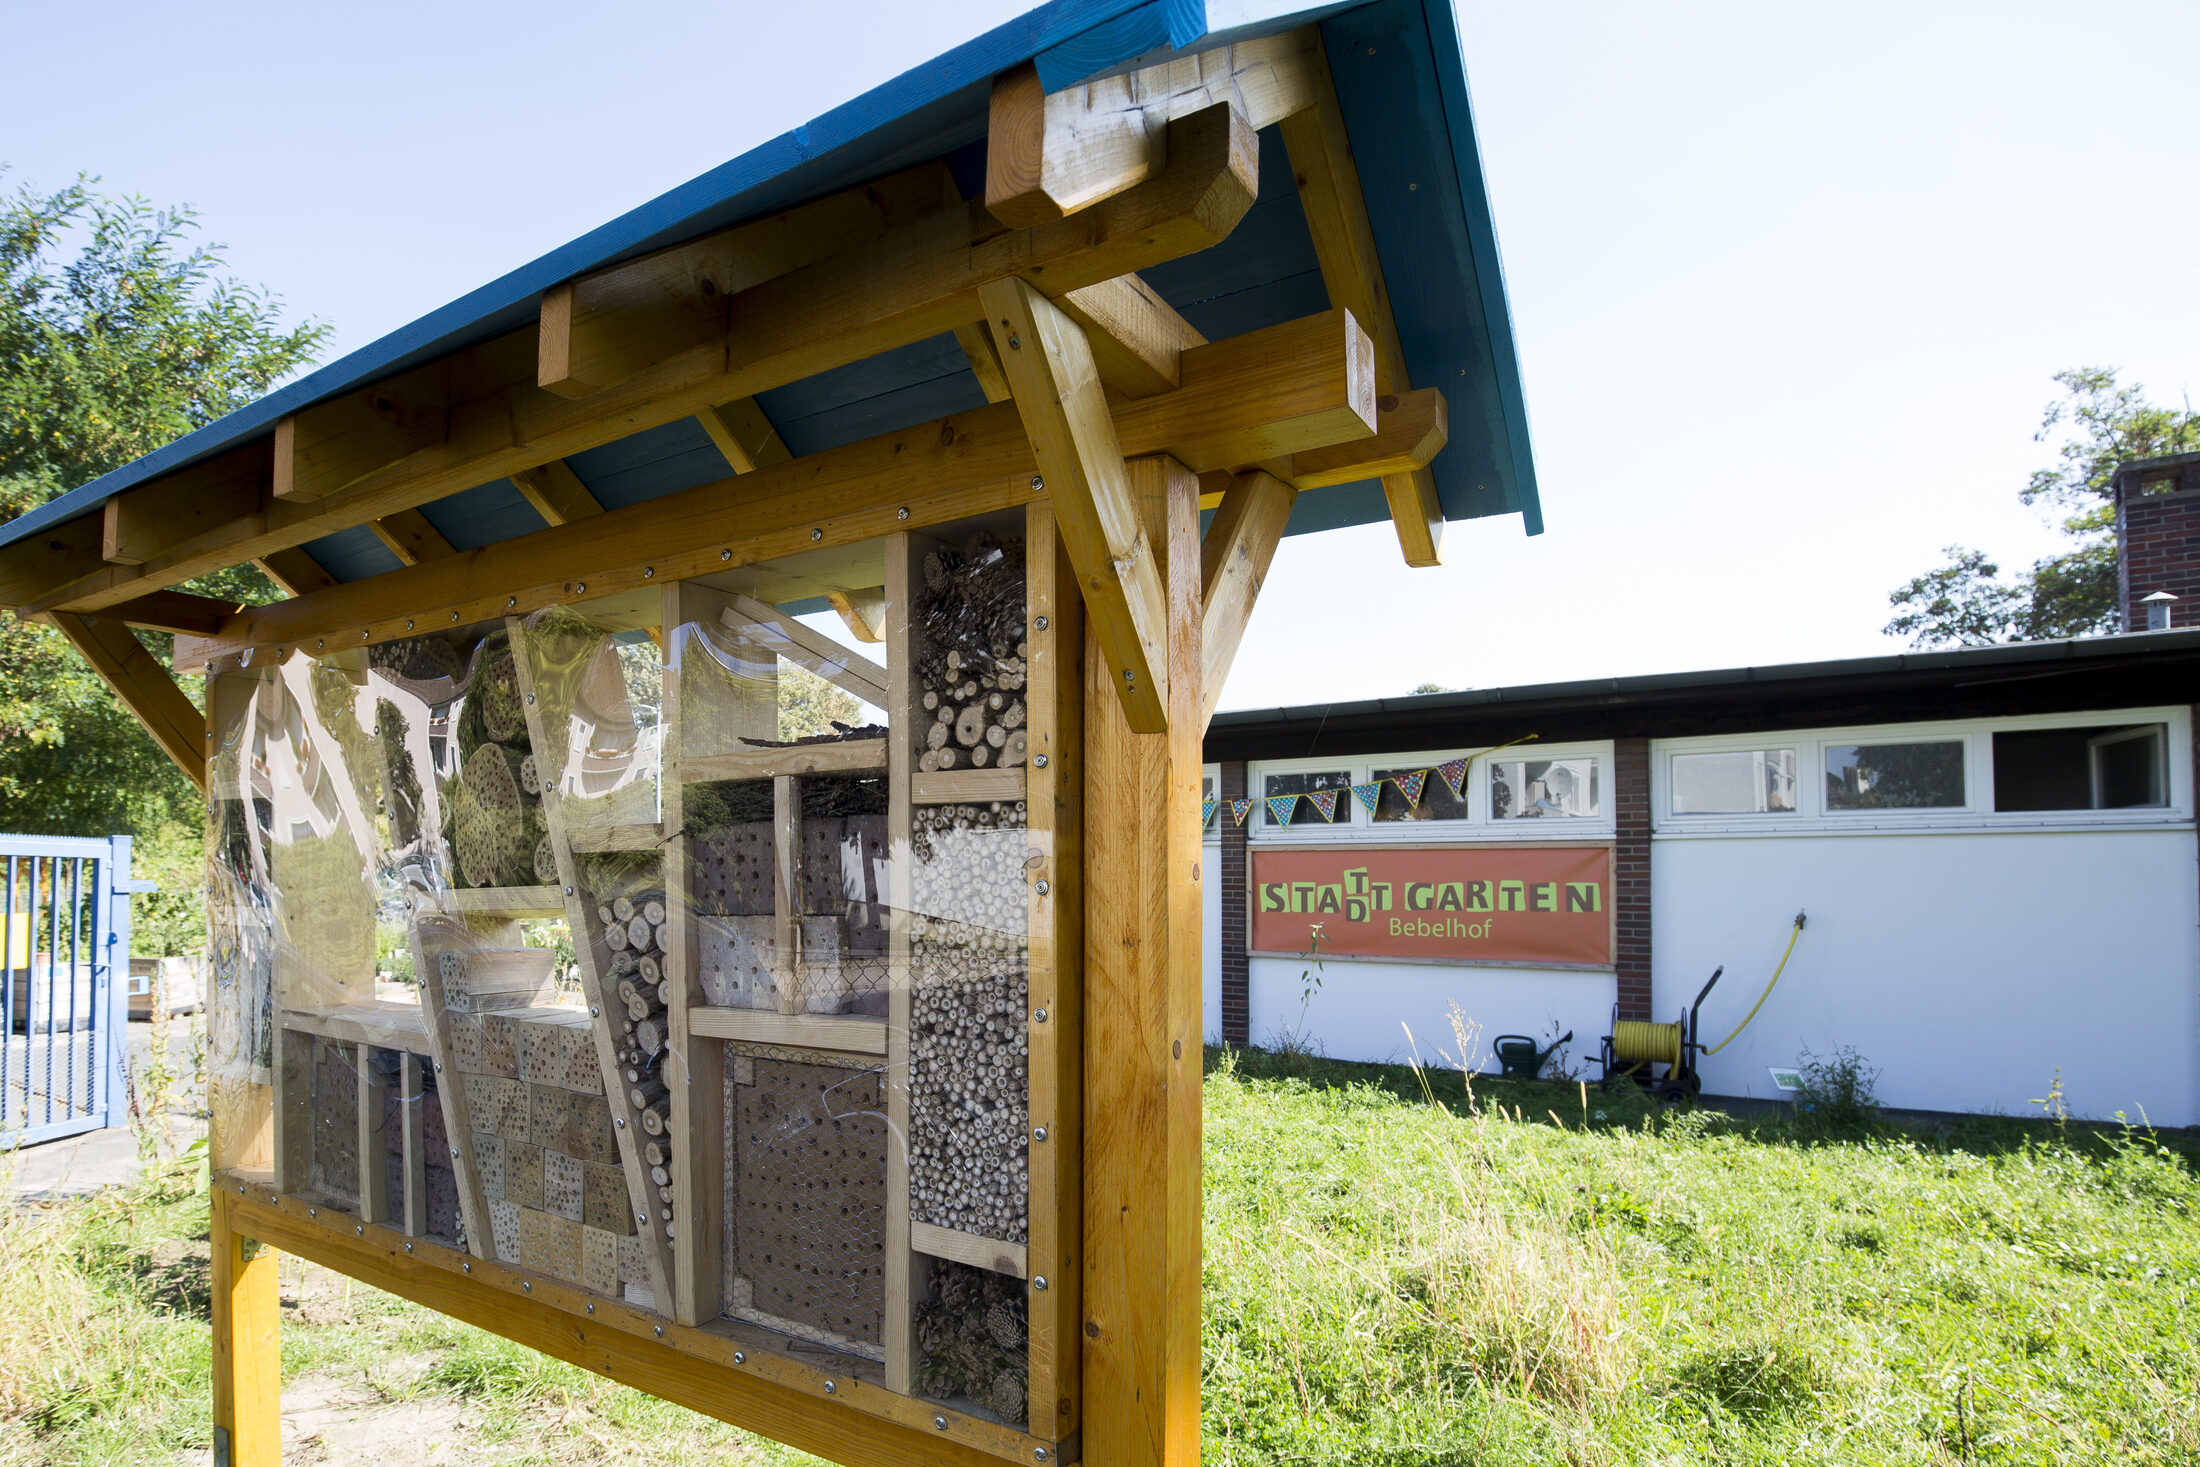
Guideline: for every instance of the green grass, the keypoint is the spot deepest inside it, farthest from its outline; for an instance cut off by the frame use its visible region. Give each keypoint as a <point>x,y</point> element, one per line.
<point>1394,1274</point>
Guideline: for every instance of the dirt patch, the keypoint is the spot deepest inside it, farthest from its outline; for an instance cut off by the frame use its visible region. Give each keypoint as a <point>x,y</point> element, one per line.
<point>338,1420</point>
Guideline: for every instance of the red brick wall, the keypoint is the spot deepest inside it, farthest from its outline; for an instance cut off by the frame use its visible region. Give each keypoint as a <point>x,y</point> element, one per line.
<point>1631,874</point>
<point>1236,985</point>
<point>2158,541</point>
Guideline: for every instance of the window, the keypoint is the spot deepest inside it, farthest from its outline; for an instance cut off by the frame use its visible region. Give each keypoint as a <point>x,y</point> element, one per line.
<point>2111,768</point>
<point>1306,812</point>
<point>1921,776</point>
<point>1734,782</point>
<point>1437,800</point>
<point>1529,789</point>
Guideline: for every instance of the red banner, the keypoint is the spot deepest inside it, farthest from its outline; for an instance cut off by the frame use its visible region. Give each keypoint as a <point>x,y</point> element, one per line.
<point>1467,904</point>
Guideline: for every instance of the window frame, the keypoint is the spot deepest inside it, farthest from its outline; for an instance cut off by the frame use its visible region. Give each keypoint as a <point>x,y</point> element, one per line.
<point>1477,825</point>
<point>1811,815</point>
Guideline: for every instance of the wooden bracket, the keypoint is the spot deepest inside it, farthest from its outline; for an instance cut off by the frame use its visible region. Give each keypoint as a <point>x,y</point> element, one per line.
<point>1233,561</point>
<point>144,687</point>
<point>556,492</point>
<point>1065,414</point>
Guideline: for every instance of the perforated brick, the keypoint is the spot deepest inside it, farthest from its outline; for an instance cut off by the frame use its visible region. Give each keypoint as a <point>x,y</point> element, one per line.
<point>499,1049</point>
<point>561,1185</point>
<point>481,1100</point>
<point>599,1260</point>
<point>583,1070</point>
<point>465,1044</point>
<point>542,1050</point>
<point>523,1173</point>
<point>588,1131</point>
<point>547,1113</point>
<point>504,1231</point>
<point>550,1244</point>
<point>735,954</point>
<point>633,1262</point>
<point>489,1165</point>
<point>510,1110</point>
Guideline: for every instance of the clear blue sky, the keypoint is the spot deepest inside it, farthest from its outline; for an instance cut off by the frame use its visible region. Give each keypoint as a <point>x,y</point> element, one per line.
<point>1789,284</point>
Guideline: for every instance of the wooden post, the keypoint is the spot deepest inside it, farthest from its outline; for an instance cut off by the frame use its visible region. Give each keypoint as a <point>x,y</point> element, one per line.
<point>248,1359</point>
<point>1142,1054</point>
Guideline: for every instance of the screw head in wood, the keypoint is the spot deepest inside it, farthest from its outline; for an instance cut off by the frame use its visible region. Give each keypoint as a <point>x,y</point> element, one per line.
<point>593,1011</point>
<point>619,1121</point>
<point>817,534</point>
<point>526,1287</point>
<point>1041,887</point>
<point>1038,482</point>
<point>1130,678</point>
<point>454,1153</point>
<point>1040,622</point>
<point>569,892</point>
<point>240,1189</point>
<point>1038,1016</point>
<point>510,602</point>
<point>831,1389</point>
<point>316,1212</point>
<point>902,513</point>
<point>1015,342</point>
<point>1040,760</point>
<point>579,587</point>
<point>466,1267</point>
<point>408,623</point>
<point>439,1070</point>
<point>454,616</point>
<point>1038,1133</point>
<point>360,1229</point>
<point>725,555</point>
<point>320,641</point>
<point>1038,1454</point>
<point>660,1331</point>
<point>642,1218</point>
<point>939,1423</point>
<point>547,786</point>
<point>408,1247</point>
<point>1039,1282</point>
<point>530,700</point>
<point>649,572</point>
<point>740,1357</point>
<point>591,1309</point>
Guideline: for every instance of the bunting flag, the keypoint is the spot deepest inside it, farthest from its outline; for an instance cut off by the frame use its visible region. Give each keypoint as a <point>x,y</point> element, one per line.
<point>1238,809</point>
<point>1410,785</point>
<point>1280,807</point>
<point>1368,794</point>
<point>1206,814</point>
<point>1325,801</point>
<point>1455,775</point>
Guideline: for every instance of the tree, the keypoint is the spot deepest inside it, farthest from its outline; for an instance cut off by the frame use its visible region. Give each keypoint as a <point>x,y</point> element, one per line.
<point>2101,423</point>
<point>135,341</point>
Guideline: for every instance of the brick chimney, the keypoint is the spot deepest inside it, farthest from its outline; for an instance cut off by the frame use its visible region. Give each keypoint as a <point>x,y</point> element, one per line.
<point>2158,537</point>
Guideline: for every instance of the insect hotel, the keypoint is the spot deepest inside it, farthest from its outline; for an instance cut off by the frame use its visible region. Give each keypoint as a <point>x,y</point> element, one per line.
<point>576,975</point>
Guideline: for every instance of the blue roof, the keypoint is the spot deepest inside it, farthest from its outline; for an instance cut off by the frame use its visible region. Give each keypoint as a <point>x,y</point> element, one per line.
<point>1400,79</point>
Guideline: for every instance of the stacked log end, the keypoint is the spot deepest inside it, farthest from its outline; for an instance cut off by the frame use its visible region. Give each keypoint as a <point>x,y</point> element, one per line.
<point>971,654</point>
<point>637,1000</point>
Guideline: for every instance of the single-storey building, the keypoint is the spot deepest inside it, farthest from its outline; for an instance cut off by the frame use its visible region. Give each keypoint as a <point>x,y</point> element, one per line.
<point>1994,847</point>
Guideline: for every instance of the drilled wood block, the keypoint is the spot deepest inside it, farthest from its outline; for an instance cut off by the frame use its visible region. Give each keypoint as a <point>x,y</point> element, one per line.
<point>733,870</point>
<point>823,888</point>
<point>496,978</point>
<point>489,1165</point>
<point>542,1049</point>
<point>499,1051</point>
<point>633,1260</point>
<point>466,1044</point>
<point>550,1244</point>
<point>442,1176</point>
<point>735,957</point>
<point>523,1173</point>
<point>504,1231</point>
<point>510,1110</point>
<point>604,1201</point>
<point>335,1118</point>
<point>561,1185</point>
<point>599,1260</point>
<point>481,1100</point>
<point>588,1131</point>
<point>583,1071</point>
<point>547,1111</point>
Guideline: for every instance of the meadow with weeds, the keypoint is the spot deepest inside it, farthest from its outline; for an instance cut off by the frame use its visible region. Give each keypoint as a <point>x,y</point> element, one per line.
<point>1400,1268</point>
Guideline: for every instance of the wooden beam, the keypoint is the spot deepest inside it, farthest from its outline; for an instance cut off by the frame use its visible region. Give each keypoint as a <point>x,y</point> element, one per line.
<point>139,526</point>
<point>248,1356</point>
<point>1410,428</point>
<point>341,440</point>
<point>1137,338</point>
<point>1233,561</point>
<point>132,674</point>
<point>609,325</point>
<point>843,667</point>
<point>864,612</point>
<point>1065,413</point>
<point>556,493</point>
<point>411,538</point>
<point>176,611</point>
<point>915,281</point>
<point>985,360</point>
<point>295,571</point>
<point>1048,157</point>
<point>1344,243</point>
<point>1142,1051</point>
<point>744,435</point>
<point>1243,401</point>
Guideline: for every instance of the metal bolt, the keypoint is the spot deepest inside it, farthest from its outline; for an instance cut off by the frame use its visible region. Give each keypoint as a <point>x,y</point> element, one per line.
<point>648,571</point>
<point>439,1070</point>
<point>526,1287</point>
<point>315,1211</point>
<point>408,623</point>
<point>1038,1133</point>
<point>454,1149</point>
<point>466,1267</point>
<point>1129,676</point>
<point>569,892</point>
<point>240,1189</point>
<point>1039,761</point>
<point>642,1218</point>
<point>1038,1016</point>
<point>619,1121</point>
<point>817,534</point>
<point>454,616</point>
<point>579,586</point>
<point>725,555</point>
<point>510,602</point>
<point>1041,886</point>
<point>320,641</point>
<point>831,1389</point>
<point>939,1423</point>
<point>1038,1454</point>
<point>1038,482</point>
<point>1015,342</point>
<point>902,513</point>
<point>593,1011</point>
<point>1039,1282</point>
<point>530,700</point>
<point>408,1247</point>
<point>360,1229</point>
<point>660,1331</point>
<point>591,1309</point>
<point>1040,622</point>
<point>547,786</point>
<point>740,1357</point>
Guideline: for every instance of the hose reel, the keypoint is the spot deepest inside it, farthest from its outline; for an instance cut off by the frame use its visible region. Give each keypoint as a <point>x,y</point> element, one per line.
<point>1634,1045</point>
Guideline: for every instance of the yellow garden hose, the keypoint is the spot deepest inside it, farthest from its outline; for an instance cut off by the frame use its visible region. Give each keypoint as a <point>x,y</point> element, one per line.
<point>1638,1042</point>
<point>1738,1028</point>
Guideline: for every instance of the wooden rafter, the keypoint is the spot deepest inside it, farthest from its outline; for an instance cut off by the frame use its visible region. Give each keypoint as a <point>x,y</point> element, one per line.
<point>1233,561</point>
<point>556,493</point>
<point>144,687</point>
<point>985,360</point>
<point>1137,338</point>
<point>175,611</point>
<point>864,612</point>
<point>295,571</point>
<point>1344,243</point>
<point>1049,156</point>
<point>744,435</point>
<point>411,538</point>
<point>911,282</point>
<point>1064,409</point>
<point>1297,386</point>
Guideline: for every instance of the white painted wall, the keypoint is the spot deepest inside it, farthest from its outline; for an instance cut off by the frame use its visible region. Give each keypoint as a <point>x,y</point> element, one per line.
<point>1967,966</point>
<point>1364,1008</point>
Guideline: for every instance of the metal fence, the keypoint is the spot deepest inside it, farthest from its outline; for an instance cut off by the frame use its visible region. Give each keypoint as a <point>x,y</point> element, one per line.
<point>65,950</point>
